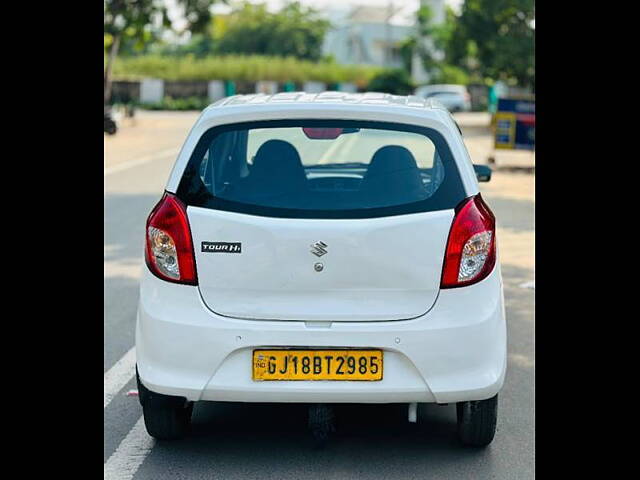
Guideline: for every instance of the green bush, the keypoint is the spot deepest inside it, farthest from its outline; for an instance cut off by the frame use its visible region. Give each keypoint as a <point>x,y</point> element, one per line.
<point>169,103</point>
<point>251,68</point>
<point>396,81</point>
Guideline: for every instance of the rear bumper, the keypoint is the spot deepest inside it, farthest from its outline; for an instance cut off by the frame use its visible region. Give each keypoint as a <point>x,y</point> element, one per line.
<point>455,352</point>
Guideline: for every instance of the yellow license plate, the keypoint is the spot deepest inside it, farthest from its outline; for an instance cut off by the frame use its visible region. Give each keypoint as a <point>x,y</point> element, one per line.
<point>362,365</point>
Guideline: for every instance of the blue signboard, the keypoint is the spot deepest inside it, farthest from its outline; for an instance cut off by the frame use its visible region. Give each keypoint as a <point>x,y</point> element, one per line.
<point>515,124</point>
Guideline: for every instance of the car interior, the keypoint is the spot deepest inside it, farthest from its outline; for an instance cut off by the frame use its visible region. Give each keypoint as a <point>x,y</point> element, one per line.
<point>276,176</point>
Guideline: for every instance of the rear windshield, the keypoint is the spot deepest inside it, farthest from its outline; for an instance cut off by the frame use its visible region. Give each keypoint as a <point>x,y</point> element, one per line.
<point>322,169</point>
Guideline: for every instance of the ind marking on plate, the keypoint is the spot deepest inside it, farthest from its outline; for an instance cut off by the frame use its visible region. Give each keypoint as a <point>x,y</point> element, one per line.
<point>221,247</point>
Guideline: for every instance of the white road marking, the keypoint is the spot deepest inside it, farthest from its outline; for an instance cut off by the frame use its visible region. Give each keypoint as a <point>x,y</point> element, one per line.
<point>119,375</point>
<point>141,161</point>
<point>125,461</point>
<point>531,284</point>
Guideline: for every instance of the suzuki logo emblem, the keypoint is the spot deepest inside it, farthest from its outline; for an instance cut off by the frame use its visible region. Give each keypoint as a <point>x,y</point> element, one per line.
<point>319,249</point>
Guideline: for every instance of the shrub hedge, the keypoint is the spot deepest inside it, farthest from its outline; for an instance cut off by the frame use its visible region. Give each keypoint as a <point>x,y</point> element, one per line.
<point>250,68</point>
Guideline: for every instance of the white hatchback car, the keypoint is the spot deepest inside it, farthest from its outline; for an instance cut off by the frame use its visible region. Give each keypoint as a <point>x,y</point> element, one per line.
<point>322,248</point>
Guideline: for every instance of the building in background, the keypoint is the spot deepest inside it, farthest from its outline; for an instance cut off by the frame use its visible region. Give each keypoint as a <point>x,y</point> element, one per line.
<point>368,35</point>
<point>372,35</point>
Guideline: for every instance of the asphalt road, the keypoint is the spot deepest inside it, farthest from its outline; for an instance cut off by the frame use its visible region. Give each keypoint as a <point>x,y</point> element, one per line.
<point>271,441</point>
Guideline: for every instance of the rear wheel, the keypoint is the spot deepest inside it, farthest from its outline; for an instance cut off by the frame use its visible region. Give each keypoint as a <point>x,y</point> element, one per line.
<point>165,417</point>
<point>477,421</point>
<point>166,422</point>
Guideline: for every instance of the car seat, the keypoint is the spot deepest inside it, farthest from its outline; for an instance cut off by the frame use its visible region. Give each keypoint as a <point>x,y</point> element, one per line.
<point>392,178</point>
<point>276,172</point>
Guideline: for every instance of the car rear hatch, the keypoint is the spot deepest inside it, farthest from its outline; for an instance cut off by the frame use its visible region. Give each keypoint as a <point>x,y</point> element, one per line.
<point>374,269</point>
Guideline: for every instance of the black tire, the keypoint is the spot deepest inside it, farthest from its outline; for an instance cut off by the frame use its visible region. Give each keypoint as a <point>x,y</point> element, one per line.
<point>477,421</point>
<point>166,422</point>
<point>165,417</point>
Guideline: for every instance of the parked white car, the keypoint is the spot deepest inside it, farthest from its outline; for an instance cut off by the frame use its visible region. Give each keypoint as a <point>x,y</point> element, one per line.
<point>455,98</point>
<point>322,249</point>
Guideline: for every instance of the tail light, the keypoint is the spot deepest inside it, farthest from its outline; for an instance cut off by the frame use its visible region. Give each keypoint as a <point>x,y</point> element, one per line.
<point>169,248</point>
<point>471,248</point>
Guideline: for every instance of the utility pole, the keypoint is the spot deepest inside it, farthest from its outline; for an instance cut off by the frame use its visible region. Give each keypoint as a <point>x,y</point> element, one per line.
<point>387,47</point>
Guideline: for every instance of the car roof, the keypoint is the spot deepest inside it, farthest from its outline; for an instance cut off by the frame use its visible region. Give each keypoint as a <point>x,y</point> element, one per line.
<point>329,98</point>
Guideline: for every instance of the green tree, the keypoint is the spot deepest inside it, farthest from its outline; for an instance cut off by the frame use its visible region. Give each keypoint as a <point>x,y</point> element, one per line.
<point>426,32</point>
<point>431,43</point>
<point>495,39</point>
<point>294,31</point>
<point>200,45</point>
<point>451,74</point>
<point>140,21</point>
<point>406,49</point>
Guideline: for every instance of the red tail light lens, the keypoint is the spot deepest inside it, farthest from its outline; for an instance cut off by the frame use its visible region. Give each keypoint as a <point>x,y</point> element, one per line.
<point>169,249</point>
<point>471,248</point>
